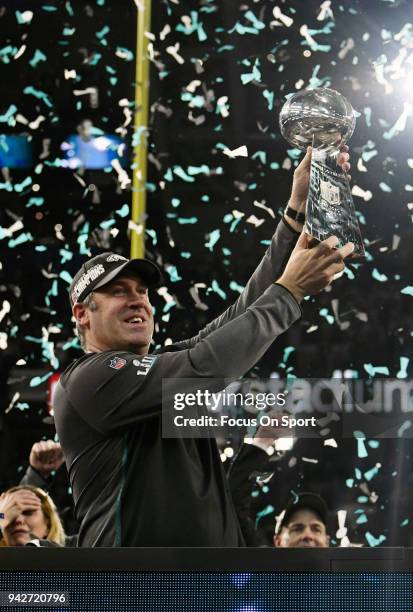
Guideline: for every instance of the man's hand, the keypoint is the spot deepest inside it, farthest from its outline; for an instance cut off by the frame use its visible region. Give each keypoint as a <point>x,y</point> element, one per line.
<point>13,504</point>
<point>309,270</point>
<point>46,457</point>
<point>301,181</point>
<point>266,435</point>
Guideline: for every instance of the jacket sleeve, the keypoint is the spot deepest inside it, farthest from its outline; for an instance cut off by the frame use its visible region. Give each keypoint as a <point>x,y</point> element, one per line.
<point>34,479</point>
<point>109,397</point>
<point>267,272</point>
<point>249,463</point>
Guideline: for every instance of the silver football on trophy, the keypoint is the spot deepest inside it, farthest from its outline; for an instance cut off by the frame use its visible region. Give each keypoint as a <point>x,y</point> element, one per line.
<point>322,113</point>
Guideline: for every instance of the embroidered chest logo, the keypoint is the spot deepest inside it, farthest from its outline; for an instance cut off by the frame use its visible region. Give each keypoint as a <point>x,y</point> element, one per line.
<point>144,365</point>
<point>117,363</point>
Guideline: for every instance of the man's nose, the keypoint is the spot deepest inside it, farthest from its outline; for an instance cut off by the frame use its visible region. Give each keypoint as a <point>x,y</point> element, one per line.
<point>136,298</point>
<point>308,534</point>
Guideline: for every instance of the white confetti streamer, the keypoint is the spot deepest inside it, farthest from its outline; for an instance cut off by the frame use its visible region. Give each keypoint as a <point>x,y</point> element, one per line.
<point>239,152</point>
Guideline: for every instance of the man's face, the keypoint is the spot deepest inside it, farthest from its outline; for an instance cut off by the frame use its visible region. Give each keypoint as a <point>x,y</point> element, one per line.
<point>121,319</point>
<point>304,529</point>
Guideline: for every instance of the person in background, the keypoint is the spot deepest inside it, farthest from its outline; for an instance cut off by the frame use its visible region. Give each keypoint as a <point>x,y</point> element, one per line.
<point>45,461</point>
<point>28,515</point>
<point>303,523</point>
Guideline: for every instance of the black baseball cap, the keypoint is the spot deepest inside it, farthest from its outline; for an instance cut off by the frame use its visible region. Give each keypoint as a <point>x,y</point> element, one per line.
<point>308,501</point>
<point>103,268</point>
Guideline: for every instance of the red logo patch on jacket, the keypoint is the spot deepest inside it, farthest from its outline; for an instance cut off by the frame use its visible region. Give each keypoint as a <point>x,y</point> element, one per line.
<point>117,363</point>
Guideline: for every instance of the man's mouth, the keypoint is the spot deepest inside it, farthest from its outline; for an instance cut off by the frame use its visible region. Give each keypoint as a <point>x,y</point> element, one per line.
<point>137,320</point>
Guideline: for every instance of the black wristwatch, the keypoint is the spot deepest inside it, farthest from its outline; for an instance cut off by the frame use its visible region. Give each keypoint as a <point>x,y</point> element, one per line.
<point>295,215</point>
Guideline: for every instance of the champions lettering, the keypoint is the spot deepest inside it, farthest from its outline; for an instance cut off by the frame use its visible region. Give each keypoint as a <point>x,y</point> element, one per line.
<point>86,279</point>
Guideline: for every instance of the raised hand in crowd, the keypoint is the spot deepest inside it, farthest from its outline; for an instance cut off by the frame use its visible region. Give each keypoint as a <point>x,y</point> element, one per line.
<point>46,456</point>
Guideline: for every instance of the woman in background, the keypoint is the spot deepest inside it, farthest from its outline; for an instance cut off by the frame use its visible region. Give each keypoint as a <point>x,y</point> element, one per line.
<point>28,513</point>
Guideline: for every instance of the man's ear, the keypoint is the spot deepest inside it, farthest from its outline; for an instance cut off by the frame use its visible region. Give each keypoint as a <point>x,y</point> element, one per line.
<point>81,314</point>
<point>277,541</point>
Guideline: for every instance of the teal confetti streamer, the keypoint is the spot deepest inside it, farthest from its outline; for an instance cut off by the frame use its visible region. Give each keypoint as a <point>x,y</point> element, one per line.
<point>9,114</point>
<point>22,405</point>
<point>74,343</point>
<point>382,278</point>
<point>123,211</point>
<point>179,171</point>
<point>234,286</point>
<point>373,370</point>
<point>95,59</point>
<point>38,380</point>
<point>241,29</point>
<point>154,237</point>
<point>361,449</point>
<point>195,101</point>
<point>27,237</point>
<point>19,187</point>
<point>269,96</point>
<point>372,541</point>
<point>368,155</point>
<point>265,512</point>
<point>107,224</point>
<point>35,202</point>
<point>371,473</point>
<point>6,51</point>
<point>64,274</point>
<point>102,33</point>
<point>404,362</point>
<point>38,57</point>
<point>173,274</point>
<point>261,155</point>
<point>361,519</point>
<point>407,290</point>
<point>40,95</point>
<point>125,54</point>
<point>403,428</point>
<point>257,24</point>
<point>328,317</point>
<point>217,289</point>
<point>315,81</point>
<point>287,352</point>
<point>187,220</point>
<point>214,236</point>
<point>255,75</point>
